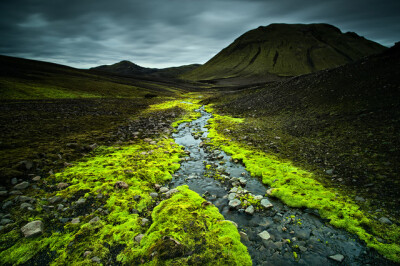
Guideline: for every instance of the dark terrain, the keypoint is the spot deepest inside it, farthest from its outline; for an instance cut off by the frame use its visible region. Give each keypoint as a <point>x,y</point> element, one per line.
<point>342,122</point>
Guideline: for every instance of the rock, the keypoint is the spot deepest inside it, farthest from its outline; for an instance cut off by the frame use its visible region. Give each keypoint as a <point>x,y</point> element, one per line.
<point>6,221</point>
<point>157,187</point>
<point>22,185</point>
<point>266,203</point>
<point>54,200</point>
<point>94,220</point>
<point>145,221</point>
<point>231,196</point>
<point>139,237</point>
<point>385,220</point>
<point>329,171</point>
<point>121,185</point>
<point>96,259</point>
<point>24,199</point>
<point>171,192</point>
<point>3,193</point>
<point>26,205</point>
<point>14,181</point>
<point>87,253</point>
<point>337,257</point>
<point>33,228</point>
<point>264,235</point>
<point>234,203</point>
<point>75,221</point>
<point>303,249</point>
<point>64,220</point>
<point>16,192</point>
<point>154,195</point>
<point>61,186</point>
<point>242,181</point>
<point>303,233</point>
<point>7,204</point>
<point>163,190</point>
<point>80,201</point>
<point>258,197</point>
<point>250,210</point>
<point>36,178</point>
<point>361,199</point>
<point>234,190</point>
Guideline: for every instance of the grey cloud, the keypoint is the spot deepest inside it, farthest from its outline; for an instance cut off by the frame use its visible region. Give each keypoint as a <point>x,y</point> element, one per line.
<point>153,33</point>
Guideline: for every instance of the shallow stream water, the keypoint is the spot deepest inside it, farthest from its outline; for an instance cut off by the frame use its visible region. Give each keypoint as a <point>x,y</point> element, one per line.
<point>297,236</point>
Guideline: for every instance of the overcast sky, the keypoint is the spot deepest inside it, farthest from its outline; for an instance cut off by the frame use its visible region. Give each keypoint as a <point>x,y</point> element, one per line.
<point>162,33</point>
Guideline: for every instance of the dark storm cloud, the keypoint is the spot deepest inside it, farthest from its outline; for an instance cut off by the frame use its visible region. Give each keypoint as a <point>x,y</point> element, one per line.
<point>169,32</point>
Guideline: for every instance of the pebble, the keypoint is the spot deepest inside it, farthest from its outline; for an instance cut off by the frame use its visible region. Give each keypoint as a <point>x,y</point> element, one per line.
<point>22,185</point>
<point>6,221</point>
<point>26,205</point>
<point>250,210</point>
<point>94,220</point>
<point>33,228</point>
<point>234,203</point>
<point>145,221</point>
<point>337,257</point>
<point>139,237</point>
<point>264,235</point>
<point>87,253</point>
<point>96,259</point>
<point>14,181</point>
<point>36,178</point>
<point>171,192</point>
<point>80,201</point>
<point>3,193</point>
<point>7,204</point>
<point>62,186</point>
<point>75,221</point>
<point>164,189</point>
<point>266,203</point>
<point>385,220</point>
<point>54,199</point>
<point>231,196</point>
<point>121,185</point>
<point>154,195</point>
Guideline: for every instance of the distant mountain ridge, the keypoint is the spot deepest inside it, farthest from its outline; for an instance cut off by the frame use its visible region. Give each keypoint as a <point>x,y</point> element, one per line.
<point>285,50</point>
<point>131,69</point>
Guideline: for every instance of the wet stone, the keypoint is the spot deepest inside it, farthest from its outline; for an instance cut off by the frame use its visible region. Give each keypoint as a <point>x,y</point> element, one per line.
<point>94,220</point>
<point>6,221</point>
<point>163,189</point>
<point>234,203</point>
<point>337,257</point>
<point>250,210</point>
<point>154,195</point>
<point>75,221</point>
<point>80,201</point>
<point>3,193</point>
<point>266,203</point>
<point>231,196</point>
<point>96,259</point>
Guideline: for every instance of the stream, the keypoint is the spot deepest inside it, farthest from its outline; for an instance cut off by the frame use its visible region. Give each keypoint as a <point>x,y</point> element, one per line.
<point>294,236</point>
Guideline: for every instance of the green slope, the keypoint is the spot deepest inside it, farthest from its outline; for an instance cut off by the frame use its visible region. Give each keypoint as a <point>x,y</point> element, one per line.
<point>30,79</point>
<point>285,50</point>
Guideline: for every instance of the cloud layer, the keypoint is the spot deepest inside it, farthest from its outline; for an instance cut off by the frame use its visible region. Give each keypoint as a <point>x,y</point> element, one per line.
<point>161,33</point>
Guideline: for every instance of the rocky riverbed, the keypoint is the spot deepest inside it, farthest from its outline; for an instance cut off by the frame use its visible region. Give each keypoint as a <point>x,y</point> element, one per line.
<point>273,232</point>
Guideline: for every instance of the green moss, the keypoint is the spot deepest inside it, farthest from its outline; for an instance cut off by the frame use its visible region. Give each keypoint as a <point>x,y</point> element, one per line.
<point>200,235</point>
<point>298,188</point>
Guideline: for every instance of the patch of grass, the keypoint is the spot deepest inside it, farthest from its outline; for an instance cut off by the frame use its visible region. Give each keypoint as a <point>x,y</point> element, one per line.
<point>187,230</point>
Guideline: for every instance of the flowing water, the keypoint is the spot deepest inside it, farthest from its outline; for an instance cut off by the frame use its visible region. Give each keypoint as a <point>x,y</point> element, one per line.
<point>297,236</point>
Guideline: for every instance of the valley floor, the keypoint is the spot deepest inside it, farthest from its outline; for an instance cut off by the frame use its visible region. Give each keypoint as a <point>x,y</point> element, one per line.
<point>105,181</point>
